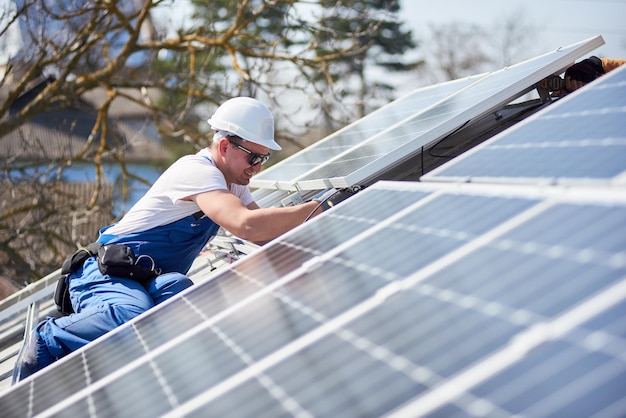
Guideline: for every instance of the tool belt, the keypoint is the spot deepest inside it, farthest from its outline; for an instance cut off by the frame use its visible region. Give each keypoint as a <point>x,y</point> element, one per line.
<point>113,259</point>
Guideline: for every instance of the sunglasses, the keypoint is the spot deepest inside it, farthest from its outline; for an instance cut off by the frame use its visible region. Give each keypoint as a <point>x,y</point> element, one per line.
<point>254,157</point>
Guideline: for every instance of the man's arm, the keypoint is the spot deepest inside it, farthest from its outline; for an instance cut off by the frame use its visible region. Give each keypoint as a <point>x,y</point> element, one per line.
<point>252,223</point>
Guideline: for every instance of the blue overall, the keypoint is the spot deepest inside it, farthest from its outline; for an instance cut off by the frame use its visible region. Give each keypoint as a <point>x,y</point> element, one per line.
<point>103,302</point>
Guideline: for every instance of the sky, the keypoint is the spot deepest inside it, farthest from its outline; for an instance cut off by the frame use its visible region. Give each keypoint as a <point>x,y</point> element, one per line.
<point>555,23</point>
<point>552,23</point>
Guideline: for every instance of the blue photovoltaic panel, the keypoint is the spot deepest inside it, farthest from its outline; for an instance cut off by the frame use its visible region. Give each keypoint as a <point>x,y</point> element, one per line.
<point>409,298</point>
<point>579,139</point>
<point>356,133</point>
<point>363,160</point>
<point>260,269</point>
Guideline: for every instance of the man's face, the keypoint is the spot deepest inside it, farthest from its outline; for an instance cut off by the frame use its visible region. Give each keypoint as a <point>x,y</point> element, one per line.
<point>245,159</point>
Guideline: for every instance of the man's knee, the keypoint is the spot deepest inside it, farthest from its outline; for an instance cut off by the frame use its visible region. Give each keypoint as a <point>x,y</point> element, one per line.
<point>167,285</point>
<point>122,313</point>
<point>75,330</point>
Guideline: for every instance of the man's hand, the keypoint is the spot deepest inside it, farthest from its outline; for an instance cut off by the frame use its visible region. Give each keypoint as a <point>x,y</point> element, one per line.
<point>331,197</point>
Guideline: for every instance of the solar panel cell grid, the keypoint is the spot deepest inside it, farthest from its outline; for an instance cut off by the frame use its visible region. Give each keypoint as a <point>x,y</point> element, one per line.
<point>358,132</point>
<point>364,159</point>
<point>388,319</point>
<point>576,140</point>
<point>557,379</point>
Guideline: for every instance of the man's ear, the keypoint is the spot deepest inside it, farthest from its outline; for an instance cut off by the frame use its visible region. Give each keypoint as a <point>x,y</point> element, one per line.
<point>223,145</point>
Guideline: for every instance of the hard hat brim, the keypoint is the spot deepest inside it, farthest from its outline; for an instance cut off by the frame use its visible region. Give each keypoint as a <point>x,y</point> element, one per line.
<point>244,134</point>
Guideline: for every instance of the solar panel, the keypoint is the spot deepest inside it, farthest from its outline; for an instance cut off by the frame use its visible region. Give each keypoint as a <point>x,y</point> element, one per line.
<point>580,139</point>
<point>419,299</point>
<point>356,133</point>
<point>368,152</point>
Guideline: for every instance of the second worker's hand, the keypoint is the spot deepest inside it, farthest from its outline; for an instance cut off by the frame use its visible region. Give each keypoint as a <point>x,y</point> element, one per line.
<point>571,84</point>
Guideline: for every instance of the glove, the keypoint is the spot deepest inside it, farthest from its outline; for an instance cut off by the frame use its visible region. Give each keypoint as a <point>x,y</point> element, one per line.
<point>331,197</point>
<point>586,70</point>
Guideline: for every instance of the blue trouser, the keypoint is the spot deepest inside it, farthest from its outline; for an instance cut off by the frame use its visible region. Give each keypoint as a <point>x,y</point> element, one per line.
<point>102,303</point>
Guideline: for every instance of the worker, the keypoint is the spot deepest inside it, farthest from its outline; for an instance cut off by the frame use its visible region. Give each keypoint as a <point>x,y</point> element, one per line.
<point>586,71</point>
<point>168,227</point>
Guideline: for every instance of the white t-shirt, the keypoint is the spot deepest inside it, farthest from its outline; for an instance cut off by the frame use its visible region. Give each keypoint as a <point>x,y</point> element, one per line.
<point>162,204</point>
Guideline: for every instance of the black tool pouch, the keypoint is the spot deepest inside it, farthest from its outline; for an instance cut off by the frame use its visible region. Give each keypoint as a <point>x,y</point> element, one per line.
<point>120,260</point>
<point>70,265</point>
<point>62,296</point>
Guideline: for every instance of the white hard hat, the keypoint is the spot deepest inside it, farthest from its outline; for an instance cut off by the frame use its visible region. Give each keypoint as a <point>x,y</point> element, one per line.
<point>248,119</point>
